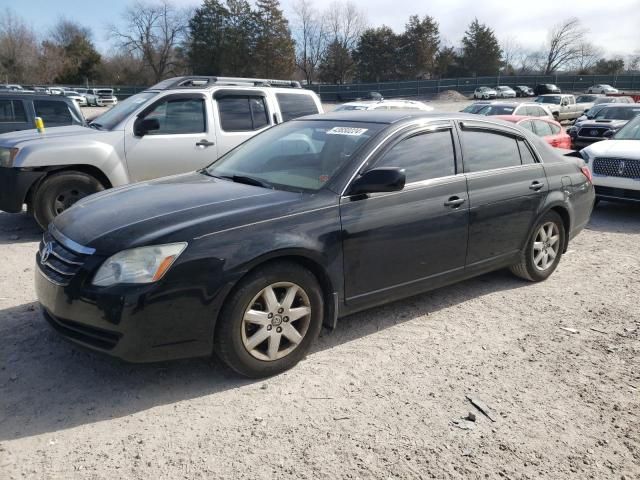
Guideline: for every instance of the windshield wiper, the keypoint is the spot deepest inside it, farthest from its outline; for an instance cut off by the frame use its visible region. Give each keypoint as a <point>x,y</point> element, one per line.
<point>248,180</point>
<point>95,125</point>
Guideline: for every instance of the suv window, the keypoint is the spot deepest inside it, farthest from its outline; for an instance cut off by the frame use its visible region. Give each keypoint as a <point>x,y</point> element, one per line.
<point>12,111</point>
<point>489,150</point>
<point>178,116</point>
<point>525,153</point>
<point>294,105</point>
<point>424,156</point>
<point>53,112</point>
<point>242,113</point>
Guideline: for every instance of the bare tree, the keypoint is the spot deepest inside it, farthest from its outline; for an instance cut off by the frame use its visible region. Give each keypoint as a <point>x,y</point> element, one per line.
<point>345,23</point>
<point>564,45</point>
<point>512,54</point>
<point>310,37</point>
<point>18,48</point>
<point>153,31</point>
<point>587,55</point>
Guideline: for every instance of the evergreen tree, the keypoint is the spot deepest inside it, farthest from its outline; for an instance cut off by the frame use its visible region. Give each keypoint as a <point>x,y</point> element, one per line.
<point>241,37</point>
<point>376,55</point>
<point>274,51</point>
<point>337,64</point>
<point>419,47</point>
<point>206,45</point>
<point>481,53</point>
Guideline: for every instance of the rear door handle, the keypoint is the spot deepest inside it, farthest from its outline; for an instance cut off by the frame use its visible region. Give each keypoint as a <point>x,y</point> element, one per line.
<point>454,202</point>
<point>536,185</point>
<point>204,143</point>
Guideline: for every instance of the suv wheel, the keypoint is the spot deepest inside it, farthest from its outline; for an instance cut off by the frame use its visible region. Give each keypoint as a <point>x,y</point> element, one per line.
<point>59,191</point>
<point>269,322</point>
<point>543,251</point>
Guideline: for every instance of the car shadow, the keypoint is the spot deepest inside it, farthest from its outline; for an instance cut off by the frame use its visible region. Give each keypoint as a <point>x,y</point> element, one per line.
<point>18,228</point>
<point>48,384</point>
<point>615,217</point>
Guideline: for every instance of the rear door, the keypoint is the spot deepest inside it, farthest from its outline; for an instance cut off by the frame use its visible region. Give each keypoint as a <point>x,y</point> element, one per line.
<point>507,186</point>
<point>13,115</point>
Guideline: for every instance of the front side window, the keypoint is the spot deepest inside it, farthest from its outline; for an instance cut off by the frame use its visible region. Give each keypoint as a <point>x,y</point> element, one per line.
<point>294,105</point>
<point>178,116</point>
<point>242,113</point>
<point>485,150</point>
<point>424,156</point>
<point>12,111</point>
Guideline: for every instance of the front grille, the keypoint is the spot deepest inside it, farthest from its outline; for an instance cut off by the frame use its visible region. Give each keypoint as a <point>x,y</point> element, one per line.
<point>592,132</point>
<point>96,337</point>
<point>617,167</point>
<point>57,262</point>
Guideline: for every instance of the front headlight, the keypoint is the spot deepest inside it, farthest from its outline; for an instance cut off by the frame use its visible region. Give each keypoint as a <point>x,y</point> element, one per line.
<point>7,155</point>
<point>138,265</point>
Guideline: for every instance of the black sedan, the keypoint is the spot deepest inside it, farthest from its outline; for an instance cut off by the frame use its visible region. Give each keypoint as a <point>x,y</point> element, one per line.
<point>523,91</point>
<point>545,88</point>
<point>307,222</point>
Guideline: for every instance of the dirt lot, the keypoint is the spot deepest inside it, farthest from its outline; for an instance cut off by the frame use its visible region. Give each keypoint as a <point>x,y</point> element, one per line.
<point>381,397</point>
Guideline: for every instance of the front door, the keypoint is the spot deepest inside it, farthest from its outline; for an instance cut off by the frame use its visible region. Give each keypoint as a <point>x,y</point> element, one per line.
<point>185,140</point>
<point>396,243</point>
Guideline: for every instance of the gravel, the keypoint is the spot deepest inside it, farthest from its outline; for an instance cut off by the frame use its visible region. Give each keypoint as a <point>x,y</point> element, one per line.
<point>386,395</point>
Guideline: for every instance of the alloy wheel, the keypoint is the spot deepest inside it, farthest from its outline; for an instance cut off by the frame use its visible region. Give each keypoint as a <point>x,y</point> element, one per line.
<point>546,246</point>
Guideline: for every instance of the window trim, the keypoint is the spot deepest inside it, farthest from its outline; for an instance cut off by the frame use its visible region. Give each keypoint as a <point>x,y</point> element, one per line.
<point>175,96</point>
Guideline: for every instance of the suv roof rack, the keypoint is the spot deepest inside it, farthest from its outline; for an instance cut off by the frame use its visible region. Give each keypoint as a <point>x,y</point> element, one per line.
<point>206,81</point>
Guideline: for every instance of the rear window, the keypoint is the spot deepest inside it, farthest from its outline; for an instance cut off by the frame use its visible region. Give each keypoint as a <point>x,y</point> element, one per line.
<point>12,111</point>
<point>294,105</point>
<point>53,112</point>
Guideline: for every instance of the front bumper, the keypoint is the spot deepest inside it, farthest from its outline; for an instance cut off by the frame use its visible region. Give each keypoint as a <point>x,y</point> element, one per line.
<point>578,143</point>
<point>103,102</point>
<point>14,186</point>
<point>618,194</point>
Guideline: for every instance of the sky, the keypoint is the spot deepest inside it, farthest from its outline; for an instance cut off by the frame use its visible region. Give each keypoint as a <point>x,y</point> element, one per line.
<point>614,26</point>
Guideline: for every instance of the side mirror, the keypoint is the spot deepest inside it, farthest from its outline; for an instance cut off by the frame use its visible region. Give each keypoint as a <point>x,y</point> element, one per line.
<point>142,126</point>
<point>384,179</point>
<point>608,134</point>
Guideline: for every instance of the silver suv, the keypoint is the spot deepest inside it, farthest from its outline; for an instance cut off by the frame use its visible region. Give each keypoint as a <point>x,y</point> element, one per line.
<point>179,125</point>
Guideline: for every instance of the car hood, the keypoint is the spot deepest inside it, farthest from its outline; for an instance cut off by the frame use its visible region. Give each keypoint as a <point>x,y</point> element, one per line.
<point>603,123</point>
<point>14,139</point>
<point>168,210</point>
<point>615,148</point>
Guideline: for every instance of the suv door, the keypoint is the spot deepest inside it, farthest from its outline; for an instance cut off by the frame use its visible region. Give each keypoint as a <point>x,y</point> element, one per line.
<point>396,242</point>
<point>507,186</point>
<point>184,140</point>
<point>13,116</point>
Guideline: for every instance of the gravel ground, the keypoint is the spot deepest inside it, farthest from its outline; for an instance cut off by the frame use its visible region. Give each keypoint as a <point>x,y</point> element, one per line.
<point>383,396</point>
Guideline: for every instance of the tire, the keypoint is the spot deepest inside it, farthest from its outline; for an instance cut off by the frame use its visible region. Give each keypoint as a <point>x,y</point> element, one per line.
<point>529,267</point>
<point>59,191</point>
<point>245,346</point>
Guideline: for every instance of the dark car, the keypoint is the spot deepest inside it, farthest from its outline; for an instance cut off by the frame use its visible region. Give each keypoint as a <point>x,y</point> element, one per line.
<point>475,107</point>
<point>603,125</point>
<point>19,110</point>
<point>304,223</point>
<point>523,91</point>
<point>544,88</point>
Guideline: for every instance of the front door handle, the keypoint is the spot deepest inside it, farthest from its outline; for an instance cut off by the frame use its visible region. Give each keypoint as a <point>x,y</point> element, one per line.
<point>204,143</point>
<point>536,185</point>
<point>454,202</point>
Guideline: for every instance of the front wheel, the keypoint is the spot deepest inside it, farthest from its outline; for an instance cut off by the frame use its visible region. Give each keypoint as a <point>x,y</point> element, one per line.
<point>270,320</point>
<point>543,251</point>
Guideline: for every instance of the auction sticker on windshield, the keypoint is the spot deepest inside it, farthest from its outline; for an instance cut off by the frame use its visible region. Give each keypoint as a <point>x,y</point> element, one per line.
<point>346,131</point>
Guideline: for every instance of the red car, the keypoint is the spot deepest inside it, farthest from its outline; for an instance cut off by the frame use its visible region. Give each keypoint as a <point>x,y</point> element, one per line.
<point>550,130</point>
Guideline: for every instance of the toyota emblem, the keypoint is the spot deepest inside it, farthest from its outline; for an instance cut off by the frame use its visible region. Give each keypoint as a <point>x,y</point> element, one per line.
<point>593,133</point>
<point>46,252</point>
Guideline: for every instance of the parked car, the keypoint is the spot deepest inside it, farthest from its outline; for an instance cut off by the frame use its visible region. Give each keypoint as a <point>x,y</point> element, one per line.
<point>484,93</point>
<point>179,125</point>
<point>307,222</point>
<point>103,97</point>
<point>505,92</point>
<point>18,112</point>
<point>549,130</point>
<point>515,108</point>
<point>56,91</point>
<point>615,164</point>
<point>76,97</point>
<point>12,87</point>
<point>545,88</point>
<point>563,107</point>
<point>587,101</point>
<point>523,91</point>
<point>384,105</point>
<point>602,88</point>
<point>616,99</point>
<point>475,107</point>
<point>589,114</point>
<point>603,125</point>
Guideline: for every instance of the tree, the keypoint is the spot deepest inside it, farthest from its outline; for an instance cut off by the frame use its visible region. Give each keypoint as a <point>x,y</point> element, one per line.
<point>241,38</point>
<point>274,51</point>
<point>512,55</point>
<point>563,45</point>
<point>419,46</point>
<point>206,44</point>
<point>344,23</point>
<point>310,37</point>
<point>152,32</point>
<point>613,66</point>
<point>587,55</point>
<point>80,57</point>
<point>18,48</point>
<point>337,64</point>
<point>481,54</point>
<point>376,55</point>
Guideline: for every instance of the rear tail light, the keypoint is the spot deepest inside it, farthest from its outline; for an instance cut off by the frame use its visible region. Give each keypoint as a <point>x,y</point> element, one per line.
<point>587,173</point>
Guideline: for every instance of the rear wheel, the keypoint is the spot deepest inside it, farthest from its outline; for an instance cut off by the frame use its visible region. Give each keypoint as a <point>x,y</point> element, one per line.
<point>59,192</point>
<point>543,251</point>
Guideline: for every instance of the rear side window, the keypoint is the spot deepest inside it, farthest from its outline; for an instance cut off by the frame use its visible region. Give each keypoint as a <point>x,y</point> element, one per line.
<point>543,129</point>
<point>488,151</point>
<point>12,111</point>
<point>242,113</point>
<point>53,112</point>
<point>424,156</point>
<point>525,153</point>
<point>555,129</point>
<point>294,105</point>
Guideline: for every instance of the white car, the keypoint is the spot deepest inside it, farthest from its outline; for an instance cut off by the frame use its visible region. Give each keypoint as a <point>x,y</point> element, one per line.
<point>76,97</point>
<point>484,93</point>
<point>525,109</point>
<point>505,92</point>
<point>602,88</point>
<point>615,164</point>
<point>384,105</point>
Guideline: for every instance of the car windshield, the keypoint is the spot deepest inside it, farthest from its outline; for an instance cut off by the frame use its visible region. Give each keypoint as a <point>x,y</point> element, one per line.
<point>111,118</point>
<point>298,155</point>
<point>594,110</point>
<point>617,113</point>
<point>550,99</point>
<point>631,131</point>
<point>496,110</point>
